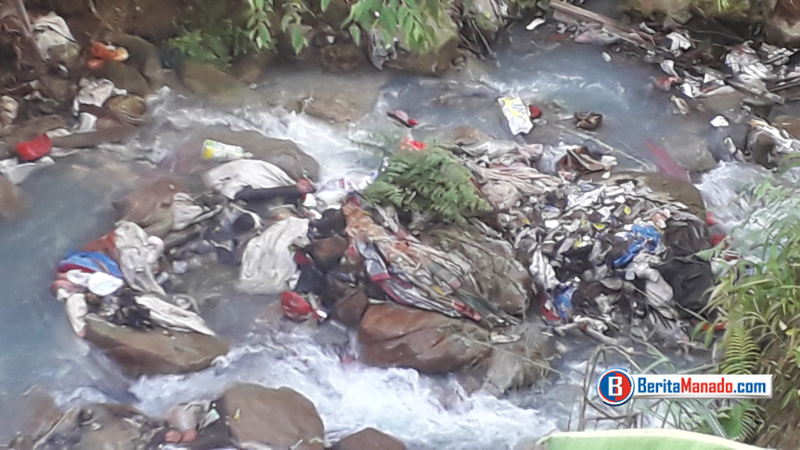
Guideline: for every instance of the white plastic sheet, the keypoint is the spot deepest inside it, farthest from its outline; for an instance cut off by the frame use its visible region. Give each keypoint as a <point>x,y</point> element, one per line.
<point>138,256</point>
<point>228,179</point>
<point>268,265</point>
<point>170,316</point>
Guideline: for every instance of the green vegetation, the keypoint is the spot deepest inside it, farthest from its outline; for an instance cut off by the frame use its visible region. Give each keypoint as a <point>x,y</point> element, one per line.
<point>759,298</point>
<point>428,180</point>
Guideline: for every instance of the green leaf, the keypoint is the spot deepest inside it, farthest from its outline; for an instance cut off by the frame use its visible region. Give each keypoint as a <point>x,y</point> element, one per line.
<point>355,33</point>
<point>388,20</point>
<point>324,5</point>
<point>298,39</point>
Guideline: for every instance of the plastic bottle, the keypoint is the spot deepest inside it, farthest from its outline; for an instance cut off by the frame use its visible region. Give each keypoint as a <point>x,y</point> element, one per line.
<point>217,151</point>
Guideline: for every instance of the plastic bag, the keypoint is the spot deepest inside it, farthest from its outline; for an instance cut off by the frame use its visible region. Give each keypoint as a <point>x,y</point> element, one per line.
<point>138,256</point>
<point>268,265</point>
<point>230,178</point>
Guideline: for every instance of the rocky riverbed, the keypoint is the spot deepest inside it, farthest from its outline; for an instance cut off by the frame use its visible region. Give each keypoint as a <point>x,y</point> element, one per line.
<point>424,379</point>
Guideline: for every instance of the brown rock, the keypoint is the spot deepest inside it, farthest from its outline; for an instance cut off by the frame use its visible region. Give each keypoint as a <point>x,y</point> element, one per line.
<point>327,252</point>
<point>143,57</point>
<point>369,439</point>
<point>12,203</point>
<point>102,426</point>
<point>280,418</point>
<point>789,123</point>
<point>206,80</point>
<point>520,364</point>
<point>397,336</point>
<point>109,134</point>
<point>351,305</point>
<point>282,153</point>
<point>342,58</point>
<point>154,351</point>
<point>439,59</point>
<point>334,107</point>
<point>37,414</point>
<point>124,77</point>
<point>150,206</point>
<point>250,68</point>
<point>128,109</point>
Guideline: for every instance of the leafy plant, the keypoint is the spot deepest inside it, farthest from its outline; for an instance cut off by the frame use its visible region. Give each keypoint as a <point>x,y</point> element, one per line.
<point>412,20</point>
<point>429,180</point>
<point>759,296</point>
<point>258,23</point>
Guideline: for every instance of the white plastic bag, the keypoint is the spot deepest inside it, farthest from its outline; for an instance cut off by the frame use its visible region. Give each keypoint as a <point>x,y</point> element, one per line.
<point>268,266</point>
<point>517,115</point>
<point>138,256</point>
<point>228,179</point>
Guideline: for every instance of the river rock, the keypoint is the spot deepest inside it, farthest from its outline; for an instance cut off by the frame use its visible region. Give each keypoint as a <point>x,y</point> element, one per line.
<point>398,336</point>
<point>124,77</point>
<point>102,426</point>
<point>12,203</point>
<point>154,351</point>
<point>150,206</point>
<point>342,58</point>
<point>282,153</point>
<point>37,413</point>
<point>498,274</point>
<point>279,418</point>
<point>335,106</point>
<point>789,123</point>
<point>520,364</point>
<point>438,59</point>
<point>369,439</point>
<point>143,57</point>
<point>350,302</point>
<point>206,80</point>
<point>327,252</point>
<point>782,28</point>
<point>250,68</point>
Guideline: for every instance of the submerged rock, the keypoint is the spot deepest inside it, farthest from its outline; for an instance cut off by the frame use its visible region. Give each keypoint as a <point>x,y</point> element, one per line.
<point>206,80</point>
<point>369,439</point>
<point>437,60</point>
<point>154,351</point>
<point>250,68</point>
<point>150,206</point>
<point>397,336</point>
<point>520,364</point>
<point>279,418</point>
<point>283,153</point>
<point>37,414</point>
<point>12,203</point>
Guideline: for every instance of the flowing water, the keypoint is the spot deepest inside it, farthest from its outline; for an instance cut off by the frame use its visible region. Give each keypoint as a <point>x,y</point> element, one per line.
<point>70,204</point>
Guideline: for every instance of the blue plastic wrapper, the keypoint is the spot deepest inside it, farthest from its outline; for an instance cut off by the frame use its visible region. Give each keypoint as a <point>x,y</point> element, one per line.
<point>563,303</point>
<point>90,262</point>
<point>642,237</point>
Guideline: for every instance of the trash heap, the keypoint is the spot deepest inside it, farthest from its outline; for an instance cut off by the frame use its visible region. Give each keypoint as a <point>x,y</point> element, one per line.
<point>765,74</point>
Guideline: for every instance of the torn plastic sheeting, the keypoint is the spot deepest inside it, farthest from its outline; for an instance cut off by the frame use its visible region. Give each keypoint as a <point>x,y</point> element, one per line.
<point>51,31</point>
<point>94,93</point>
<point>77,309</point>
<point>491,148</point>
<point>563,302</point>
<point>333,192</point>
<point>678,42</point>
<point>542,272</point>
<point>268,265</point>
<point>186,212</point>
<point>16,173</point>
<point>98,283</point>
<point>138,256</point>
<point>229,178</point>
<point>784,143</point>
<point>90,262</point>
<point>170,316</point>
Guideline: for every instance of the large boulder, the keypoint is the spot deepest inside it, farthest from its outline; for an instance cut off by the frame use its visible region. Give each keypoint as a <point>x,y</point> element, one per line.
<point>144,56</point>
<point>369,439</point>
<point>124,77</point>
<point>783,26</point>
<point>397,336</point>
<point>155,351</point>
<point>522,363</point>
<point>206,80</point>
<point>437,60</point>
<point>282,153</point>
<point>150,206</point>
<point>278,418</point>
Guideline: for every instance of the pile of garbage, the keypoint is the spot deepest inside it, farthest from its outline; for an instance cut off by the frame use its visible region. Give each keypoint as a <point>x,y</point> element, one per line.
<point>764,74</point>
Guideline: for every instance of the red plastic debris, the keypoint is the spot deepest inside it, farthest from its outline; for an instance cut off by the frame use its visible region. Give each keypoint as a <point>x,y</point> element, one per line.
<point>535,111</point>
<point>35,148</point>
<point>717,238</point>
<point>413,145</point>
<point>402,117</point>
<point>305,186</point>
<point>710,219</point>
<point>665,83</point>
<point>294,306</point>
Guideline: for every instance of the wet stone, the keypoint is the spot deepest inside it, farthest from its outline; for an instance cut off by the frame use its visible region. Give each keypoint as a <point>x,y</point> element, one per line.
<point>369,439</point>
